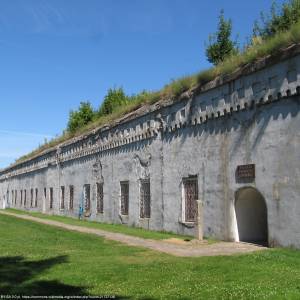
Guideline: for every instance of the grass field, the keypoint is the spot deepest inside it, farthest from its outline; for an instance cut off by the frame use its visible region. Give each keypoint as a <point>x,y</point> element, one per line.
<point>120,228</point>
<point>38,259</point>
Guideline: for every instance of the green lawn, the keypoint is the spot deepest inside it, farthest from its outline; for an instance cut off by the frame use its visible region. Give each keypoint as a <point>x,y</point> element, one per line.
<point>40,259</point>
<point>119,228</point>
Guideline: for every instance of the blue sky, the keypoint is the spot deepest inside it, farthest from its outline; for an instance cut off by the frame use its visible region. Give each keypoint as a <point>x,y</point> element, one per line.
<point>57,53</point>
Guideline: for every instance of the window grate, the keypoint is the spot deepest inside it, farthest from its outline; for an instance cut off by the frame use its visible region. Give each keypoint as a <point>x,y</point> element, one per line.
<point>87,197</point>
<point>145,198</point>
<point>124,197</point>
<point>51,197</point>
<point>99,198</point>
<point>31,197</point>
<point>190,195</point>
<point>62,197</point>
<point>36,198</point>
<point>71,200</point>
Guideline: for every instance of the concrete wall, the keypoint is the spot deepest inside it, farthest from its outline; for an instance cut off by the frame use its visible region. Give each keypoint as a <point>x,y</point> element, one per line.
<point>251,119</point>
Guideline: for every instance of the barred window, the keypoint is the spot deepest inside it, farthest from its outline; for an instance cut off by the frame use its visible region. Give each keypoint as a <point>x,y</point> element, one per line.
<point>36,198</point>
<point>62,197</point>
<point>71,200</point>
<point>31,197</point>
<point>145,205</point>
<point>124,197</point>
<point>87,197</point>
<point>99,187</point>
<point>190,186</point>
<point>51,197</point>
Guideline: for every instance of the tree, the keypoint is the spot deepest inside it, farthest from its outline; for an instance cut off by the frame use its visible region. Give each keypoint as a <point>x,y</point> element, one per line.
<point>80,117</point>
<point>279,19</point>
<point>220,45</point>
<point>115,98</point>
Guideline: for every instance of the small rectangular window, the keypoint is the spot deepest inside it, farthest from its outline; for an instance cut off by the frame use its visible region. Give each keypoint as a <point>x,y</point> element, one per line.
<point>87,197</point>
<point>62,197</point>
<point>145,198</point>
<point>190,186</point>
<point>16,197</point>
<point>24,197</point>
<point>99,197</point>
<point>36,198</point>
<point>51,197</point>
<point>21,202</point>
<point>71,203</point>
<point>124,197</point>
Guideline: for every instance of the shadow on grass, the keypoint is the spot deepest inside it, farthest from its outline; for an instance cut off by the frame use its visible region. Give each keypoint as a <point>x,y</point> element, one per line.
<point>17,277</point>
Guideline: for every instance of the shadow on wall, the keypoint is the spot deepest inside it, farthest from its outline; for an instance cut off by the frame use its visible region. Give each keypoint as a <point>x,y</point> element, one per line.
<point>17,277</point>
<point>124,149</point>
<point>243,120</point>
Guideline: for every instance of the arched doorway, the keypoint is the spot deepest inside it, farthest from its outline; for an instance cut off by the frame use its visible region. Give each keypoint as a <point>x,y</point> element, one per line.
<point>251,216</point>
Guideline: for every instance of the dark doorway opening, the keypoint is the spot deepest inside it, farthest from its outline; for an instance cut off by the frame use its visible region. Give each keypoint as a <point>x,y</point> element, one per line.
<point>251,215</point>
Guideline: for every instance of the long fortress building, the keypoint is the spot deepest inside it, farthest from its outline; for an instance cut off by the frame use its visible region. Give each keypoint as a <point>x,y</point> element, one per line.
<point>233,143</point>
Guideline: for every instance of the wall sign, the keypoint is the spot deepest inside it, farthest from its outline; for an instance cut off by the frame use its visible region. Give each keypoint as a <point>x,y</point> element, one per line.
<point>246,171</point>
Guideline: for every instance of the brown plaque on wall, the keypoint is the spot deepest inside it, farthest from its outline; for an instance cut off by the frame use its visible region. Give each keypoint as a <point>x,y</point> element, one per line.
<point>246,171</point>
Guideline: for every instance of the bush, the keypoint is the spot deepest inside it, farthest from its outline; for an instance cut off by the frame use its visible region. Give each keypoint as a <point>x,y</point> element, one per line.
<point>114,99</point>
<point>80,117</point>
<point>220,45</point>
<point>279,19</point>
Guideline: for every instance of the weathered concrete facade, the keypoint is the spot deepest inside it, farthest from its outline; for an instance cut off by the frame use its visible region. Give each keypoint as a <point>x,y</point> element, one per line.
<point>251,118</point>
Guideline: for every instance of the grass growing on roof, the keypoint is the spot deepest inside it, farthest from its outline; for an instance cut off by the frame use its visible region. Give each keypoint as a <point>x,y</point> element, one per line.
<point>37,259</point>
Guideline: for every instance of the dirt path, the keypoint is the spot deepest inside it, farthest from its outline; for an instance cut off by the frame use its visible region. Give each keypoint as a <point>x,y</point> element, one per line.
<point>173,247</point>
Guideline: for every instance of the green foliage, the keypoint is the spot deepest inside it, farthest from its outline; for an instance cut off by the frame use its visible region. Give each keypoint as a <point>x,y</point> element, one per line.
<point>220,45</point>
<point>174,89</point>
<point>113,100</point>
<point>279,19</point>
<point>80,117</point>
